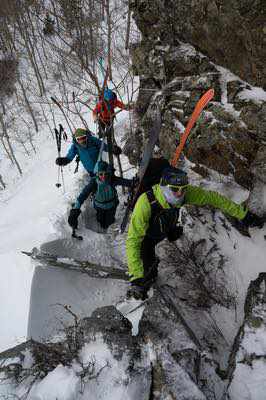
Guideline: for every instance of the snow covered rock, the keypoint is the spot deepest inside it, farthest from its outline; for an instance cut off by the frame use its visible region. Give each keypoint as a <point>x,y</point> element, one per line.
<point>97,358</point>
<point>231,32</point>
<point>247,364</point>
<point>232,128</point>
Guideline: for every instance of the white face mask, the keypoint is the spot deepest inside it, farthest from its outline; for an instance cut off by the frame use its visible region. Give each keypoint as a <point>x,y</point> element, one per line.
<point>171,198</point>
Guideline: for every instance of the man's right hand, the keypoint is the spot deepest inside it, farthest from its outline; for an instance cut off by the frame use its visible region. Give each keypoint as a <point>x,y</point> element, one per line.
<point>138,289</point>
<point>252,220</point>
<point>175,233</point>
<point>62,161</point>
<point>73,217</point>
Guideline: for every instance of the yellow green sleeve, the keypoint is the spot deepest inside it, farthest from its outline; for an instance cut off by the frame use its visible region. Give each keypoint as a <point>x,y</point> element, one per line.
<point>138,226</point>
<point>201,197</point>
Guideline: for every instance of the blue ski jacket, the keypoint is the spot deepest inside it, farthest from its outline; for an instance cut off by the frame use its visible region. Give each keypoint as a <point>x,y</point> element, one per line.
<point>89,154</point>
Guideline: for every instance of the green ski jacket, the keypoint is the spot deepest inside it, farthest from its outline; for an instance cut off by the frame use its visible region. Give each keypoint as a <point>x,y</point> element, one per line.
<point>139,222</point>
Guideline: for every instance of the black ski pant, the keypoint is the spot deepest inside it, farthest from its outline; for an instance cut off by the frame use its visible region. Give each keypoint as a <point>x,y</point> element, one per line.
<point>107,130</point>
<point>105,217</point>
<point>103,127</point>
<point>149,259</point>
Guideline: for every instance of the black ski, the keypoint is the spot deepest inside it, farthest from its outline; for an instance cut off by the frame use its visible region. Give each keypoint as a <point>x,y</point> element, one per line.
<point>147,154</point>
<point>87,267</point>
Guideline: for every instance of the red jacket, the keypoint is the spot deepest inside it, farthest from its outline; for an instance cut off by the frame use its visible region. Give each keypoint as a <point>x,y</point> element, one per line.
<point>106,111</point>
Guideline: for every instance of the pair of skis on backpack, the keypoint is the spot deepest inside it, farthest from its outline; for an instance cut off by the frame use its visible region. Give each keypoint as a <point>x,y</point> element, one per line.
<point>148,150</point>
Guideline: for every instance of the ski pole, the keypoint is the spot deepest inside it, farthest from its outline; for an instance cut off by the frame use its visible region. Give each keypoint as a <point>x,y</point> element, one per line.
<point>111,128</point>
<point>62,177</point>
<point>62,133</point>
<point>58,144</point>
<point>58,136</point>
<point>108,132</point>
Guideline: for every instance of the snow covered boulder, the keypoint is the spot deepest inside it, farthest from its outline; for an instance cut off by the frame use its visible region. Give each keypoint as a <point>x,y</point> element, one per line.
<point>96,358</point>
<point>247,364</point>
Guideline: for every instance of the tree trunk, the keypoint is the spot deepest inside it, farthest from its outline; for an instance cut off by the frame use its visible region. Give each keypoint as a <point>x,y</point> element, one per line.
<point>13,154</point>
<point>109,38</point>
<point>6,150</point>
<point>30,49</point>
<point>2,182</point>
<point>9,149</point>
<point>128,27</point>
<point>31,112</point>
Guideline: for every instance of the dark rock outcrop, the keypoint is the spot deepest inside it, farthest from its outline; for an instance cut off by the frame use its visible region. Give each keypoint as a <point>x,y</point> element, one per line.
<point>231,32</point>
<point>232,128</point>
<point>247,361</point>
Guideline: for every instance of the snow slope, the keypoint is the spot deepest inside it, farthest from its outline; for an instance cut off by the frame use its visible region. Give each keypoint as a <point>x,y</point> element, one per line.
<point>27,220</point>
<point>33,211</point>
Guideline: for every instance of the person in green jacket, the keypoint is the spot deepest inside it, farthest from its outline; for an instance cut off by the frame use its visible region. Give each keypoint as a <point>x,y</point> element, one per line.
<point>155,217</point>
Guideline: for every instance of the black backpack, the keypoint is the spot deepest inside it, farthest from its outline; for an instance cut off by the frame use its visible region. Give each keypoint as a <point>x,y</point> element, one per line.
<point>153,174</point>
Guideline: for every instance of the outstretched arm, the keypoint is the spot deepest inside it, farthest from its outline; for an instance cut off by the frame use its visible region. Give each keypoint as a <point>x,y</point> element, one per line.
<point>201,197</point>
<point>118,181</point>
<point>72,152</point>
<point>119,104</point>
<point>138,226</point>
<point>96,111</point>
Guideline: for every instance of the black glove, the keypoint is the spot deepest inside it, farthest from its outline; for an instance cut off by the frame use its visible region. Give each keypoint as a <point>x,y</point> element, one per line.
<point>175,233</point>
<point>62,161</point>
<point>73,217</point>
<point>137,289</point>
<point>253,220</point>
<point>116,150</point>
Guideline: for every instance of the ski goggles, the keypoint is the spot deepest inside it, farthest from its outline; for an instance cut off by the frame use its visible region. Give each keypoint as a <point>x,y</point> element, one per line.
<point>177,188</point>
<point>102,174</point>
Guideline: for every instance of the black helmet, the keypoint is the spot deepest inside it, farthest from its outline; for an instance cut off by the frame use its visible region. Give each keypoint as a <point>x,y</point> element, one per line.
<point>174,176</point>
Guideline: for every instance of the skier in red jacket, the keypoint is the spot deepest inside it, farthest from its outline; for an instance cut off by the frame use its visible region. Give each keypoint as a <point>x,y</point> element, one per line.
<point>104,110</point>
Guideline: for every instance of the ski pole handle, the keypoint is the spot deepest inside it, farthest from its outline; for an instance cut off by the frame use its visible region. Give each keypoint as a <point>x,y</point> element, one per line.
<point>63,132</point>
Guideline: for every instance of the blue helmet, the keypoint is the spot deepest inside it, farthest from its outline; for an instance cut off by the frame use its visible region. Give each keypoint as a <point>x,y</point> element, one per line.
<point>108,94</point>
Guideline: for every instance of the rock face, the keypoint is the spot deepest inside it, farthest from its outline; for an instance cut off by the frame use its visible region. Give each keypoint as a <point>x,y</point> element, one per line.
<point>257,198</point>
<point>98,358</point>
<point>247,362</point>
<point>232,128</point>
<point>231,32</point>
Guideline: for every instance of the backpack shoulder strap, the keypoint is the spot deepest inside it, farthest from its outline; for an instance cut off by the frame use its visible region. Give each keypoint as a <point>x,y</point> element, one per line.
<point>155,205</point>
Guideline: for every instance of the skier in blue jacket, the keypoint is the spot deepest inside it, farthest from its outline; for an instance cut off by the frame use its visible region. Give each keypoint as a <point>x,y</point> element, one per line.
<point>87,147</point>
<point>105,199</point>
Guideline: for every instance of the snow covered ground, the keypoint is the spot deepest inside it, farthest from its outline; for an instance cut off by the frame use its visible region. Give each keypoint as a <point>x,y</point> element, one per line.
<point>33,212</point>
<point>30,210</point>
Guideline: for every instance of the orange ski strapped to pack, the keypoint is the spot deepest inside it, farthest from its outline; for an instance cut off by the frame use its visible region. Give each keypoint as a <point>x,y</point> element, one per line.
<point>203,101</point>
